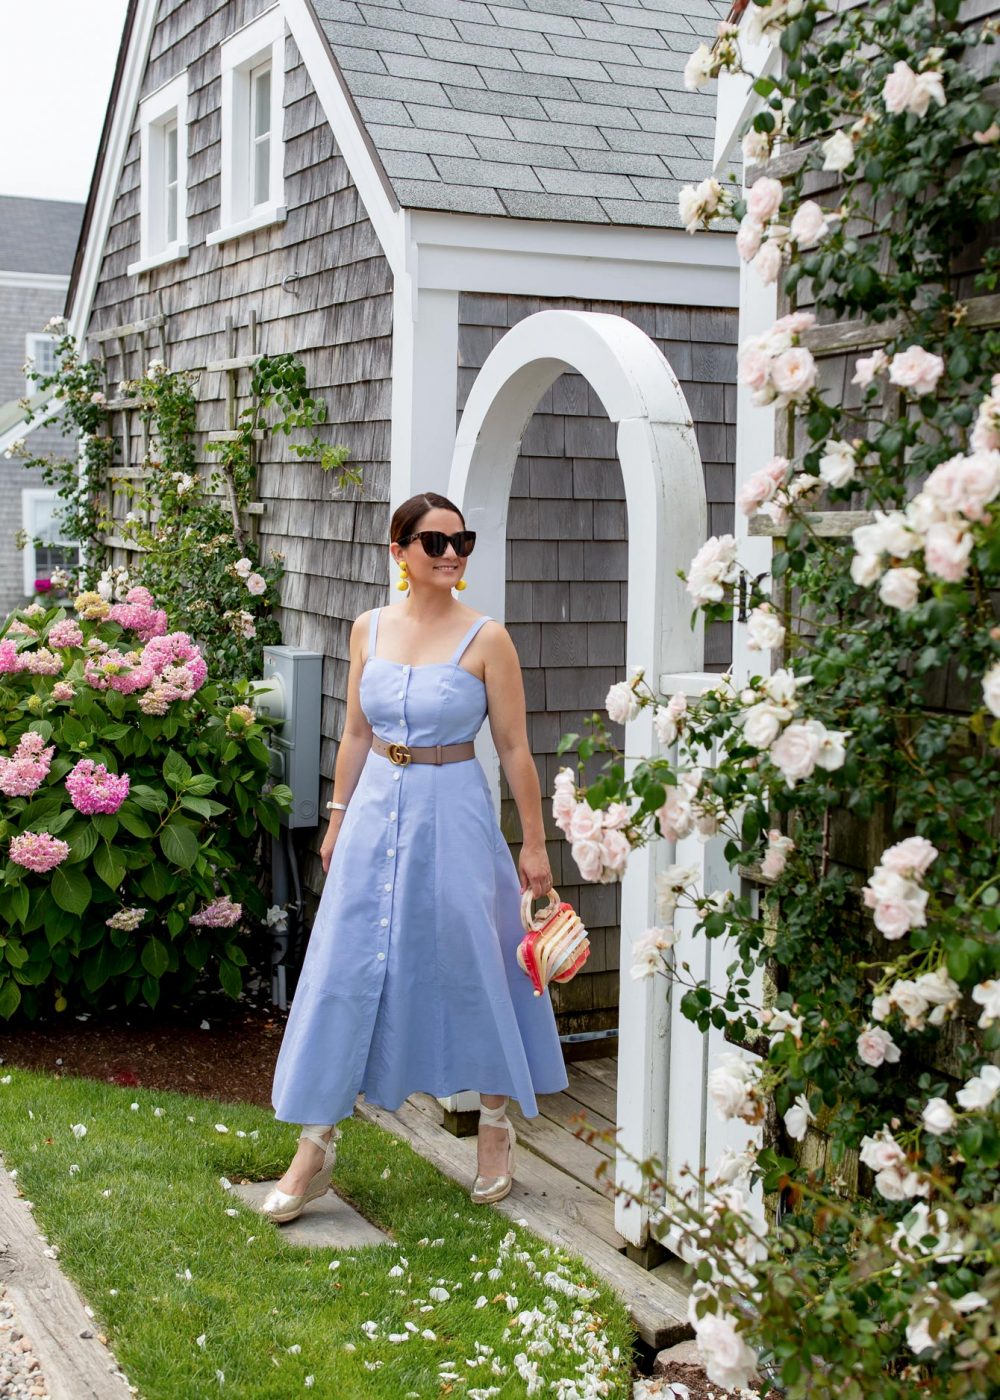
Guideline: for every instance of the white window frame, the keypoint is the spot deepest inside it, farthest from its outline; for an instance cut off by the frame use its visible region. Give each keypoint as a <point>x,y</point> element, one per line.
<point>31,496</point>
<point>157,114</point>
<point>259,42</point>
<point>31,341</point>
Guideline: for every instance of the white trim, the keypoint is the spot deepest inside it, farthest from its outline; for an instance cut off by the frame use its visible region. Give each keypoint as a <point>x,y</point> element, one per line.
<point>42,281</point>
<point>260,218</point>
<point>424,393</point>
<point>261,41</point>
<point>157,112</point>
<point>352,140</point>
<point>175,253</point>
<point>527,257</point>
<point>667,515</point>
<point>736,101</point>
<point>111,171</point>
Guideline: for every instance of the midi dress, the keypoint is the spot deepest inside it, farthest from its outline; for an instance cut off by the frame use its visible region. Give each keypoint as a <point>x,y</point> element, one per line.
<point>410,979</point>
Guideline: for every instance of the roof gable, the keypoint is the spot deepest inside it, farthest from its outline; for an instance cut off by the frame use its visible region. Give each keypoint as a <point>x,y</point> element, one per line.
<point>550,109</point>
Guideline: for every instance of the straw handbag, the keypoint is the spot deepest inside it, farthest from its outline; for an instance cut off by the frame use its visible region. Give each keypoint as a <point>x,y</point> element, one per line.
<point>555,945</point>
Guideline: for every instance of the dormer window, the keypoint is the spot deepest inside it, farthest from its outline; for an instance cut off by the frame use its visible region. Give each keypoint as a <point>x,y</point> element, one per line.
<point>163,176</point>
<point>253,72</point>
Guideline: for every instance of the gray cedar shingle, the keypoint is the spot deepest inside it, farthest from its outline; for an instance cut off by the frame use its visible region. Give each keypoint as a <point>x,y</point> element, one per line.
<point>573,109</point>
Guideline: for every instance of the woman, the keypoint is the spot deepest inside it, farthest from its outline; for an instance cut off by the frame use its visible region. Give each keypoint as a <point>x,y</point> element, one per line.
<point>411,981</point>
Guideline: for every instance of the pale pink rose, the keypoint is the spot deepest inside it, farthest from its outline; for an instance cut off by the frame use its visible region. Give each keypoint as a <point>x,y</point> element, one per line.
<point>881,1152</point>
<point>877,1047</point>
<point>587,855</point>
<point>809,224</point>
<point>675,816</point>
<point>793,324</point>
<point>938,1116</point>
<point>616,815</point>
<point>838,151</point>
<point>564,781</point>
<point>795,752</point>
<point>762,485</point>
<point>866,568</point>
<point>756,145</point>
<point>966,484</point>
<point>913,856</point>
<point>868,367</point>
<point>900,588</point>
<point>776,856</point>
<point>767,263</point>
<point>946,551</point>
<point>764,199</point>
<point>916,369</point>
<point>838,463</point>
<point>899,88</point>
<point>929,88</point>
<point>754,365</point>
<point>793,373</point>
<point>748,238</point>
<point>711,568</point>
<point>765,630</point>
<point>615,850</point>
<point>989,137</point>
<point>586,823</point>
<point>762,723</point>
<point>563,807</point>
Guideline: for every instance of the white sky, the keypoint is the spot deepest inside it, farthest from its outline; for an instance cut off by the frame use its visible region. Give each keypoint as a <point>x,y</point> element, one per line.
<point>57,60</point>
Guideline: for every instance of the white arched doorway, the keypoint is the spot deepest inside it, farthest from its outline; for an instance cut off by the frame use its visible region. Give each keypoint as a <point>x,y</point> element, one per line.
<point>667,522</point>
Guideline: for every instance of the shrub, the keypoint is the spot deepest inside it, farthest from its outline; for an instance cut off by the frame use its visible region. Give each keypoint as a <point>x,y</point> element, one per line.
<point>133,791</point>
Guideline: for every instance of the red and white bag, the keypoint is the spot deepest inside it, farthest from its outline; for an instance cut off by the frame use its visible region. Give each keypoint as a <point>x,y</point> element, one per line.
<point>555,945</point>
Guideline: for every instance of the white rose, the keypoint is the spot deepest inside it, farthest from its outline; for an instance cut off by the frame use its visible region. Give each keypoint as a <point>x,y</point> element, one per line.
<point>898,88</point>
<point>991,689</point>
<point>881,1152</point>
<point>866,568</point>
<point>664,724</point>
<point>795,752</point>
<point>913,856</point>
<point>764,629</point>
<point>797,1118</point>
<point>928,87</point>
<point>946,551</point>
<point>938,1116</point>
<point>762,723</point>
<point>868,366</point>
<point>698,69</point>
<point>256,584</point>
<point>587,855</point>
<point>900,588</point>
<point>731,1086</point>
<point>764,199</point>
<point>615,850</point>
<point>877,1047</point>
<point>621,703</point>
<point>980,1091</point>
<point>729,1362</point>
<point>987,995</point>
<point>838,151</point>
<point>756,146</point>
<point>837,464</point>
<point>881,1007</point>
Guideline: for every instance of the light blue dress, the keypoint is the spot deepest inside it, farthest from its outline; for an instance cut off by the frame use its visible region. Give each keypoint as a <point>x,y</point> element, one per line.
<point>410,980</point>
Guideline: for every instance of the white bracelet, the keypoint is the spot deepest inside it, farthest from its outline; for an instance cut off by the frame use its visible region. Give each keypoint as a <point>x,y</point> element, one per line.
<point>337,806</point>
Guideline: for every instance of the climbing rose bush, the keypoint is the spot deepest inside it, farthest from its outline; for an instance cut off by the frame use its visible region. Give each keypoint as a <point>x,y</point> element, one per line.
<point>133,795</point>
<point>876,1030</point>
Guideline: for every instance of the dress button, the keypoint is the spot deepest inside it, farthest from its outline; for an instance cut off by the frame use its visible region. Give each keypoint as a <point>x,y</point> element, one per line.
<point>395,777</point>
<point>387,885</point>
<point>381,957</point>
<point>391,851</point>
<point>384,922</point>
<point>392,816</point>
<point>402,724</point>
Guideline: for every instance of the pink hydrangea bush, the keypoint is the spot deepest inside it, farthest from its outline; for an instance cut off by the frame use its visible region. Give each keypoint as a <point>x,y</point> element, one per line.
<point>128,829</point>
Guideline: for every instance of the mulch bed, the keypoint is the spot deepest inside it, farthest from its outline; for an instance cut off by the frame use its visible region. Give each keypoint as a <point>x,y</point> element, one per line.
<point>232,1060</point>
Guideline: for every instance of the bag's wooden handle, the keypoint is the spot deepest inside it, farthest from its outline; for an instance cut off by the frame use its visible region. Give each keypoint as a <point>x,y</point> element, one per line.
<point>535,921</point>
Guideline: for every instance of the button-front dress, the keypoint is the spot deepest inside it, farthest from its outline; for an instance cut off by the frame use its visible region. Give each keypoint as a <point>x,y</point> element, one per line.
<point>410,980</point>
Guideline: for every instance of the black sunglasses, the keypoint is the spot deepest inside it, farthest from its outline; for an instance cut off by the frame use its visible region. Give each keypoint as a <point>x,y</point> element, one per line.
<point>435,542</point>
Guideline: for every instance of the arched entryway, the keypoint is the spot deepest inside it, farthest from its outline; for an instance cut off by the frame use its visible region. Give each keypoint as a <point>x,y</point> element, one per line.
<point>667,521</point>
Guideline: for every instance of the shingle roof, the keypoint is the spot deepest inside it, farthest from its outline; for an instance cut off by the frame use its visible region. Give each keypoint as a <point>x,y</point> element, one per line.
<point>38,235</point>
<point>547,109</point>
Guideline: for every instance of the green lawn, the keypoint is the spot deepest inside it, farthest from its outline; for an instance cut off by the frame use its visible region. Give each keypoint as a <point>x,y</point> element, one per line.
<point>200,1296</point>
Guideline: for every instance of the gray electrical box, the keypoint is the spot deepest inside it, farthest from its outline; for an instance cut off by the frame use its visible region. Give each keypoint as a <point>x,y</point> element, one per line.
<point>291,692</point>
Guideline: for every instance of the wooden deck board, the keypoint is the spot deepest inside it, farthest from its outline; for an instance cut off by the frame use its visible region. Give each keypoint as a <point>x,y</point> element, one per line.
<point>555,1191</point>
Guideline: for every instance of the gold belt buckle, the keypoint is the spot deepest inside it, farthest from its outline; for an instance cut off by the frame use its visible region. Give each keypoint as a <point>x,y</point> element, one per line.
<point>399,753</point>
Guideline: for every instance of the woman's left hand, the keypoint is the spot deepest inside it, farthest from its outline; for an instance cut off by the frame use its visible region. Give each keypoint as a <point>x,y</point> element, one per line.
<point>534,868</point>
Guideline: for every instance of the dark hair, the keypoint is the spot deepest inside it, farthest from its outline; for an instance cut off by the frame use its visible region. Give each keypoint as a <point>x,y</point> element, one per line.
<point>406,516</point>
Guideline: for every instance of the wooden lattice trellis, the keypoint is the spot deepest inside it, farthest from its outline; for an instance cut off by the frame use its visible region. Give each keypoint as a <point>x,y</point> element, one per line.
<point>121,410</point>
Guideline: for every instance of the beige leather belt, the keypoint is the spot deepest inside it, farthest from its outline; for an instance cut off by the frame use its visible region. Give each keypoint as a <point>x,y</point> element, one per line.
<point>432,753</point>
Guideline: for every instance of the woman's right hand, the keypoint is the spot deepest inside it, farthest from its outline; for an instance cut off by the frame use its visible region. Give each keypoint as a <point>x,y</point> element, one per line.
<point>329,841</point>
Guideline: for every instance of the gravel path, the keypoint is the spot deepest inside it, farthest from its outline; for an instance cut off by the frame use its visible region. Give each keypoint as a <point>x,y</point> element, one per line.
<point>20,1373</point>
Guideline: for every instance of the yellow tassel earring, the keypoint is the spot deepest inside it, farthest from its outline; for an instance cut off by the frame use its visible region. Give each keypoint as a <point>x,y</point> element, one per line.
<point>404,582</point>
<point>460,585</point>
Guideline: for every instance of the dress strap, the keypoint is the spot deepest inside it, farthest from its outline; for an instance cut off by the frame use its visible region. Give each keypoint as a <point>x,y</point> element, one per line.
<point>372,631</point>
<point>468,637</point>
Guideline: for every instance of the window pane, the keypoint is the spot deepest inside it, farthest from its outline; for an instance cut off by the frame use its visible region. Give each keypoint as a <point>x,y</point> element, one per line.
<point>261,79</point>
<point>170,152</point>
<point>171,212</point>
<point>262,170</point>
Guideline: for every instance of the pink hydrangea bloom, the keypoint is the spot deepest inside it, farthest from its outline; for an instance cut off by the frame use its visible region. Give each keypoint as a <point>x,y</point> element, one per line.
<point>139,617</point>
<point>93,789</point>
<point>221,913</point>
<point>28,767</point>
<point>38,850</point>
<point>66,633</point>
<point>10,660</point>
